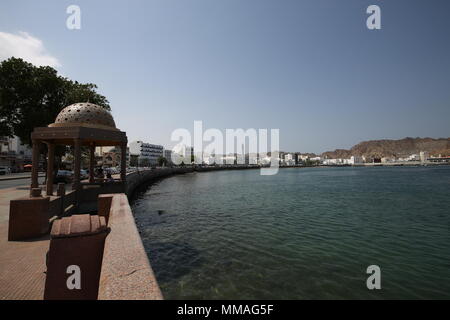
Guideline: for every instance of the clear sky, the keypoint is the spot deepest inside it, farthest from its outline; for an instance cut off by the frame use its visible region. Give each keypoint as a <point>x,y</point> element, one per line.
<point>310,68</point>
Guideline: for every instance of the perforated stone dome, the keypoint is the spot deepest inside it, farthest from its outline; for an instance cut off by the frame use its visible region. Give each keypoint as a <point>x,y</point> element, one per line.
<point>84,114</point>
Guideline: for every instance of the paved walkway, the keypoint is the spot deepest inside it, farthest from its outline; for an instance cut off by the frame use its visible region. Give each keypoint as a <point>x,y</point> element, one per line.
<point>22,263</point>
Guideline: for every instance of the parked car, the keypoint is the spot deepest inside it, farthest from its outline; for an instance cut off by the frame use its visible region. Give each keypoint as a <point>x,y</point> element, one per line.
<point>84,174</point>
<point>114,170</point>
<point>5,170</point>
<point>64,176</point>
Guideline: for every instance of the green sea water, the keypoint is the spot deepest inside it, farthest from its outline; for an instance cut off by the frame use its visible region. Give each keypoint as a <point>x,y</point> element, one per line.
<point>305,233</point>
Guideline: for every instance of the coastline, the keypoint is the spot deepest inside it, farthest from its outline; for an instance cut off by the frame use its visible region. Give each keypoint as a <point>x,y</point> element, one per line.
<point>156,175</point>
<point>175,238</point>
<point>153,176</point>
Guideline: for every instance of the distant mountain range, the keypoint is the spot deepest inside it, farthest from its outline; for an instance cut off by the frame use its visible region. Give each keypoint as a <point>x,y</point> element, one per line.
<point>393,148</point>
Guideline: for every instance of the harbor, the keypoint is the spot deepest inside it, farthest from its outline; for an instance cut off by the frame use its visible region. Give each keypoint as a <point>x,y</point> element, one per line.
<point>193,154</point>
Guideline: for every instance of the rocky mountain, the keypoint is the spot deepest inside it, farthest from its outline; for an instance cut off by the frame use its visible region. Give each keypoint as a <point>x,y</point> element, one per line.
<point>393,148</point>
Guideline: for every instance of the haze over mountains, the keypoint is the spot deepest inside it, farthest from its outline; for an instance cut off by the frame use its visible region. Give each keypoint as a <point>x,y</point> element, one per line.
<point>393,148</point>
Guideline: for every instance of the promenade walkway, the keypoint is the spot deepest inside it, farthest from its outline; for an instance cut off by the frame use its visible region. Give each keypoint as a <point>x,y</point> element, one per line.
<point>22,263</point>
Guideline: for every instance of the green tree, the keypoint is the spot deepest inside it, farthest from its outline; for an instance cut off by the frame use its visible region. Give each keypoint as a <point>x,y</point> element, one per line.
<point>33,96</point>
<point>144,162</point>
<point>134,160</point>
<point>311,163</point>
<point>162,161</point>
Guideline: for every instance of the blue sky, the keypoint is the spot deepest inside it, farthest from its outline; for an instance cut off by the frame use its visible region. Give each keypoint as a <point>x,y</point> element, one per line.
<point>310,68</point>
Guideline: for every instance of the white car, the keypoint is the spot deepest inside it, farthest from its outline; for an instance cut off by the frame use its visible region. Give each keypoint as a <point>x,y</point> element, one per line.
<point>64,176</point>
<point>114,170</point>
<point>5,170</point>
<point>84,174</point>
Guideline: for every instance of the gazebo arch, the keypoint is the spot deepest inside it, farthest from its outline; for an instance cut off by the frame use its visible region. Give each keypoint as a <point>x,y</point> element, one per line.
<point>80,124</point>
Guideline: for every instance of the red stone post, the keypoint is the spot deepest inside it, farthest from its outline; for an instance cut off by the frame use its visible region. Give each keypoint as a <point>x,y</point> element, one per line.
<point>50,168</point>
<point>35,165</point>
<point>77,164</point>
<point>91,163</point>
<point>123,162</point>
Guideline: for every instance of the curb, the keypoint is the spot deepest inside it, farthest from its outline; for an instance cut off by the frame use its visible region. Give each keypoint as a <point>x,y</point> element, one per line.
<point>18,178</point>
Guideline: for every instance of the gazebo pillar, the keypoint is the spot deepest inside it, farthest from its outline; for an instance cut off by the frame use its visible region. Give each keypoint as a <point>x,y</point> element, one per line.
<point>35,165</point>
<point>123,162</point>
<point>50,167</point>
<point>77,164</point>
<point>91,163</point>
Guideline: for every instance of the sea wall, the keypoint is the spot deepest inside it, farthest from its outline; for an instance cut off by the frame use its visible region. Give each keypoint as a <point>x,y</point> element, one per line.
<point>126,272</point>
<point>141,179</point>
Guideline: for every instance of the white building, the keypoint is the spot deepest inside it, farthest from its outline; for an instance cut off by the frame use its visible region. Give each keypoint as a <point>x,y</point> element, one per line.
<point>265,160</point>
<point>146,151</point>
<point>414,157</point>
<point>355,160</point>
<point>168,155</point>
<point>289,159</point>
<point>230,159</point>
<point>424,155</point>
<point>252,159</point>
<point>13,153</point>
<point>304,157</point>
<point>14,145</point>
<point>240,158</point>
<point>332,162</point>
<point>183,153</point>
<point>210,160</point>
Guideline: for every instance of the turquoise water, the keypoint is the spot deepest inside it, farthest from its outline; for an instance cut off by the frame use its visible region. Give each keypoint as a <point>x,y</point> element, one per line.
<point>305,233</point>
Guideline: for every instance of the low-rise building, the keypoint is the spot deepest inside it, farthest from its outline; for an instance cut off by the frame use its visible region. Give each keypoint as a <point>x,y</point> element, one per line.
<point>167,154</point>
<point>13,154</point>
<point>414,157</point>
<point>112,158</point>
<point>289,159</point>
<point>332,162</point>
<point>424,155</point>
<point>230,159</point>
<point>146,151</point>
<point>253,159</point>
<point>355,160</point>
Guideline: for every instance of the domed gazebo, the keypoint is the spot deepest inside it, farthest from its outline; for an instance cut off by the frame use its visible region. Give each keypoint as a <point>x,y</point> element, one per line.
<point>80,124</point>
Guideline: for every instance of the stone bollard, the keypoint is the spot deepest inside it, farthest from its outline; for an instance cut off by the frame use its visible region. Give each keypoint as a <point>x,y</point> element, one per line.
<point>36,192</point>
<point>75,257</point>
<point>104,205</point>
<point>61,190</point>
<point>28,217</point>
